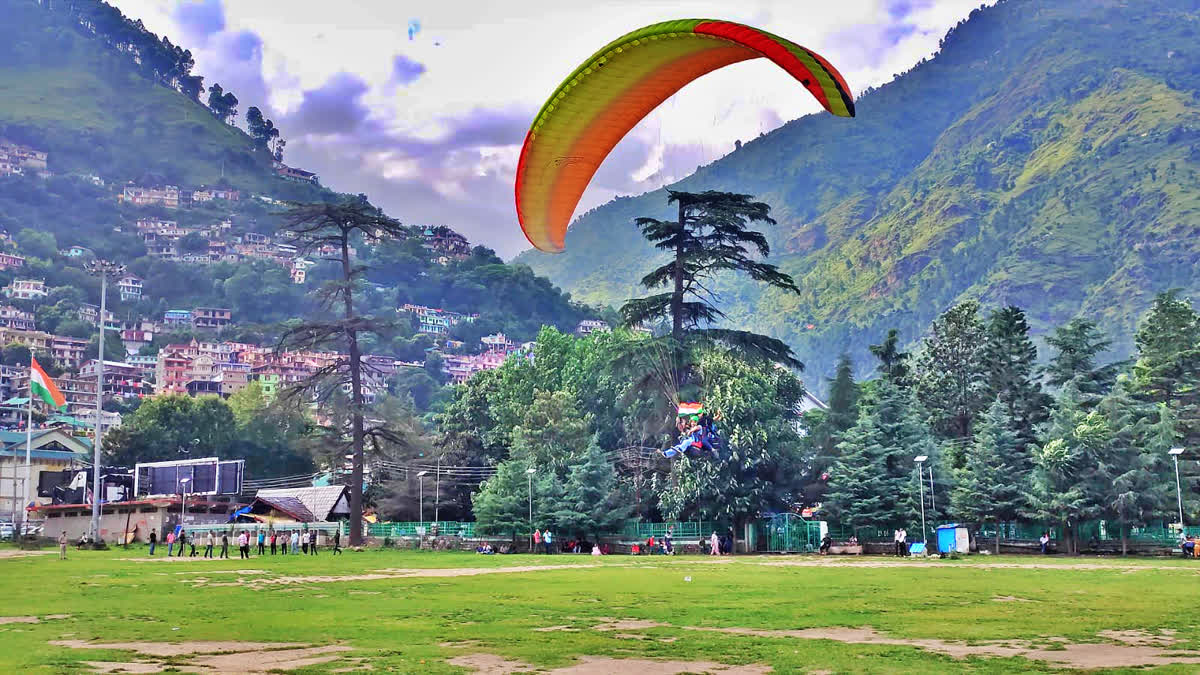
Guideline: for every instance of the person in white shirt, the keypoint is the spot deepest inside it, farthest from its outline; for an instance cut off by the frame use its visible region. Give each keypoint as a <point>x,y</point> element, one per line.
<point>903,541</point>
<point>896,541</point>
<point>714,544</point>
<point>1045,542</point>
<point>209,542</point>
<point>243,545</point>
<point>295,542</point>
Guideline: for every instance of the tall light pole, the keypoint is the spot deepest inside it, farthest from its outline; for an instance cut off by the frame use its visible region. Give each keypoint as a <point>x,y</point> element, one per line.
<point>920,460</point>
<point>103,269</point>
<point>437,490</point>
<point>421,498</point>
<point>183,504</point>
<point>529,474</point>
<point>1175,453</point>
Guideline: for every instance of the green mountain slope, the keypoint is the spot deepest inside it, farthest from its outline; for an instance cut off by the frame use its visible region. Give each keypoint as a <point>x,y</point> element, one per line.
<point>68,91</point>
<point>1046,157</point>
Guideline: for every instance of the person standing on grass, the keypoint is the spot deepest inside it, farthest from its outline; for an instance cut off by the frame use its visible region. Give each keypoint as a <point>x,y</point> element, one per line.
<point>62,545</point>
<point>312,542</point>
<point>1045,542</point>
<point>714,544</point>
<point>170,543</point>
<point>224,545</point>
<point>548,541</point>
<point>903,541</point>
<point>537,540</point>
<point>262,540</point>
<point>192,542</point>
<point>337,541</point>
<point>667,543</point>
<point>153,540</point>
<point>295,541</point>
<point>209,542</point>
<point>304,543</point>
<point>271,540</point>
<point>182,541</point>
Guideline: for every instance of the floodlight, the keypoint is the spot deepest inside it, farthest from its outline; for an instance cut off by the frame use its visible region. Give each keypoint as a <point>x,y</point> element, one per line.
<point>422,474</point>
<point>531,471</point>
<point>920,458</point>
<point>1175,452</point>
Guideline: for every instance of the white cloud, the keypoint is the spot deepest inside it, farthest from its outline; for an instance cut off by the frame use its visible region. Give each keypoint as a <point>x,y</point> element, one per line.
<point>430,127</point>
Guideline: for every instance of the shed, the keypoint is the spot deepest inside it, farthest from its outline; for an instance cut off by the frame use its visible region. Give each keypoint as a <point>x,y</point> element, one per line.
<point>324,503</point>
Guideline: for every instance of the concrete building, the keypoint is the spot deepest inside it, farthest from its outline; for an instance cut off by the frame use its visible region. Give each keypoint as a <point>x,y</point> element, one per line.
<point>161,514</point>
<point>52,450</point>
<point>167,195</point>
<point>11,317</point>
<point>25,289</point>
<point>8,261</point>
<point>211,317</point>
<point>130,287</point>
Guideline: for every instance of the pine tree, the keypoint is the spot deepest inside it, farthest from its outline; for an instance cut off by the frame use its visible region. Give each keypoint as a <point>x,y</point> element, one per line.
<point>951,380</point>
<point>843,396</point>
<point>1168,361</point>
<point>1134,463</point>
<point>1066,464</point>
<point>1010,359</point>
<point>592,501</point>
<point>1077,346</point>
<point>990,486</point>
<point>857,490</point>
<point>502,504</point>
<point>871,484</point>
<point>710,237</point>
<point>893,363</point>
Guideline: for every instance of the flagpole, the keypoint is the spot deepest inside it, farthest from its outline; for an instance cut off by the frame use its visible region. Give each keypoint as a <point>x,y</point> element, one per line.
<point>28,442</point>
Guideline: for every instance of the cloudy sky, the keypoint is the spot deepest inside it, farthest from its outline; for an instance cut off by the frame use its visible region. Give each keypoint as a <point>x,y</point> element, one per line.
<point>424,105</point>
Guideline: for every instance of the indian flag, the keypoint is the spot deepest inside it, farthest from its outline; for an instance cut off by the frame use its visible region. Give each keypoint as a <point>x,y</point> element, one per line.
<point>41,385</point>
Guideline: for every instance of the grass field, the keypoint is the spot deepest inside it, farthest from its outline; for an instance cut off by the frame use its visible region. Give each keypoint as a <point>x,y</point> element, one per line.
<point>396,611</point>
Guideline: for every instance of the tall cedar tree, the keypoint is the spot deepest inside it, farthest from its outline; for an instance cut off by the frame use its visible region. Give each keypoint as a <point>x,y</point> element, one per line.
<point>1134,463</point>
<point>1066,467</point>
<point>336,227</point>
<point>710,236</point>
<point>950,376</point>
<point>871,484</point>
<point>1167,370</point>
<point>1010,358</point>
<point>843,396</point>
<point>1077,346</point>
<point>990,486</point>
<point>893,363</point>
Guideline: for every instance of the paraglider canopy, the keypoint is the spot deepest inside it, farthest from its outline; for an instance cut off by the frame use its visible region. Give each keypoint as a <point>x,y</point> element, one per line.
<point>613,90</point>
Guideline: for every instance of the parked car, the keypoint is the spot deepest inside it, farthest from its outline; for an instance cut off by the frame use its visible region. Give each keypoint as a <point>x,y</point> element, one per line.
<point>6,530</point>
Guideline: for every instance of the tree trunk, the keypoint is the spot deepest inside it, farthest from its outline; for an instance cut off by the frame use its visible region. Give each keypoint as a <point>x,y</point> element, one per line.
<point>997,538</point>
<point>356,400</point>
<point>1124,542</point>
<point>677,293</point>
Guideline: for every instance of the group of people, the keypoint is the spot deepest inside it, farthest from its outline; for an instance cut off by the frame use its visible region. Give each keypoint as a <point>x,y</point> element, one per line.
<point>900,542</point>
<point>281,542</point>
<point>697,432</point>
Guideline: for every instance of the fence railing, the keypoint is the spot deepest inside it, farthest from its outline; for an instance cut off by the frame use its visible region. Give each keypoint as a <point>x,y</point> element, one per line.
<point>443,528</point>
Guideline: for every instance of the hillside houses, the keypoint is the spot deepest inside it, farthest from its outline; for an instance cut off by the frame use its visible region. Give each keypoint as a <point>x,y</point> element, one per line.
<point>11,317</point>
<point>434,321</point>
<point>8,261</point>
<point>293,174</point>
<point>17,159</point>
<point>25,289</point>
<point>136,195</point>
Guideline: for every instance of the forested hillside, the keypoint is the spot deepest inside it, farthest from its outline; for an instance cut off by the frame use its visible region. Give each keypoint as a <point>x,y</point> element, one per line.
<point>1046,157</point>
<point>113,105</point>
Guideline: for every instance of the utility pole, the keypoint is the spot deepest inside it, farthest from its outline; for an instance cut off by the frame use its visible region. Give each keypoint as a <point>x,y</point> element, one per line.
<point>437,490</point>
<point>920,460</point>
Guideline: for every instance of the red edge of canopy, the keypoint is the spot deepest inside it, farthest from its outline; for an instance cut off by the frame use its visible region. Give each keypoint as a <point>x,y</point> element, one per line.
<point>751,38</point>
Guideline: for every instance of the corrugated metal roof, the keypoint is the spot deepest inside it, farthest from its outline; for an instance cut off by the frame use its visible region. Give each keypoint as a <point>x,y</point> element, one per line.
<point>289,505</point>
<point>320,501</point>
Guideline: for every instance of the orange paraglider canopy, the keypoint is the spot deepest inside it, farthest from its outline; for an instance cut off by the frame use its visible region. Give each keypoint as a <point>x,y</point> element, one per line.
<point>593,109</point>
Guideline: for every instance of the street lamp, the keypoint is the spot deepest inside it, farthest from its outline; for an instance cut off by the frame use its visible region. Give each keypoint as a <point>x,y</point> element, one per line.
<point>103,269</point>
<point>1175,453</point>
<point>920,460</point>
<point>529,474</point>
<point>421,492</point>
<point>183,504</point>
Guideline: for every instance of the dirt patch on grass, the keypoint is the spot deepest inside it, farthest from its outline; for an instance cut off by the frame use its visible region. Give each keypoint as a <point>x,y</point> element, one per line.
<point>17,553</point>
<point>169,649</point>
<point>32,619</point>
<point>212,657</point>
<point>1137,648</point>
<point>388,574</point>
<point>1009,598</point>
<point>490,664</point>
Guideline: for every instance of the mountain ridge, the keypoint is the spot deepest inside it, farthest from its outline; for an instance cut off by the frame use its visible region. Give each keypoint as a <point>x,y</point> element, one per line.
<point>1037,159</point>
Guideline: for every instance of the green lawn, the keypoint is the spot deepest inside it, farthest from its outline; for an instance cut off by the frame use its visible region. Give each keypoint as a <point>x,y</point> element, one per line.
<point>418,623</point>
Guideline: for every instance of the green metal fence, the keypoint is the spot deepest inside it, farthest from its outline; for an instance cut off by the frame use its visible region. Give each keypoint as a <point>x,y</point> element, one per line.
<point>789,533</point>
<point>684,529</point>
<point>443,528</point>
